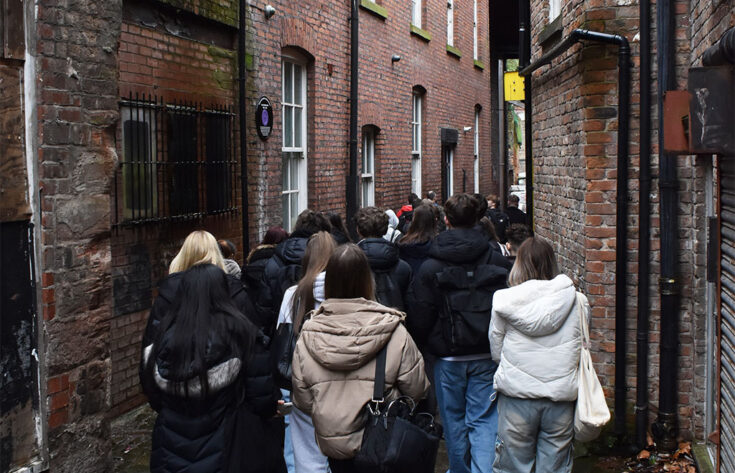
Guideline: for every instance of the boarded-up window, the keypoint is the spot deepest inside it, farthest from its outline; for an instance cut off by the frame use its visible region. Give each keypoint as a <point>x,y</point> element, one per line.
<point>11,29</point>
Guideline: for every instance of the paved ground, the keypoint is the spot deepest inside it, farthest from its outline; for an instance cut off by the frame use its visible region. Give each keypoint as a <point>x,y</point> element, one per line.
<point>131,447</point>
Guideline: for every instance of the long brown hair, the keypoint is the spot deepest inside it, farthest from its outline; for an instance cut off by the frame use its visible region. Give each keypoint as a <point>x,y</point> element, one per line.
<point>423,226</point>
<point>535,260</point>
<point>348,274</point>
<point>315,259</point>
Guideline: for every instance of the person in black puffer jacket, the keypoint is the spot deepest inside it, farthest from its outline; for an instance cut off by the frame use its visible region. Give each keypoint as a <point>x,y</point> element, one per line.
<point>392,275</point>
<point>283,269</point>
<point>207,375</point>
<point>255,263</point>
<point>199,247</point>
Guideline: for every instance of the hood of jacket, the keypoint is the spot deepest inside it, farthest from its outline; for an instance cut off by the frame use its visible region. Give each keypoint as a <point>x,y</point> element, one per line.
<point>319,288</point>
<point>345,334</point>
<point>459,246</point>
<point>537,307</point>
<point>382,254</point>
<point>292,250</point>
<point>414,250</point>
<point>261,252</point>
<point>392,219</point>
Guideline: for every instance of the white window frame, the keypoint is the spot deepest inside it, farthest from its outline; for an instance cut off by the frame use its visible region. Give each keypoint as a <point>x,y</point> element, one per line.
<point>450,22</point>
<point>367,177</point>
<point>416,13</point>
<point>554,9</point>
<point>477,151</point>
<point>475,48</point>
<point>416,142</point>
<point>300,187</point>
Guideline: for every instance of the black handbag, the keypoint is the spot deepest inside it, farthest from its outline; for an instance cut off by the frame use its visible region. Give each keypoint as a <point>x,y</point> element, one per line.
<point>282,348</point>
<point>396,438</point>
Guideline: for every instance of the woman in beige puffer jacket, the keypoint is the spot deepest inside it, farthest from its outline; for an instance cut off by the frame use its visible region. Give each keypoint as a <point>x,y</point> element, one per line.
<point>334,360</point>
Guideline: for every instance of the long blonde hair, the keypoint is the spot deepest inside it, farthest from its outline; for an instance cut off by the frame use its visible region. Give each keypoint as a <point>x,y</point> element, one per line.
<point>200,247</point>
<point>318,251</point>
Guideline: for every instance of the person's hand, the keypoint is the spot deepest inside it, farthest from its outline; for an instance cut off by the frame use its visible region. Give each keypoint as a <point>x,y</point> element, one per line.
<point>280,403</point>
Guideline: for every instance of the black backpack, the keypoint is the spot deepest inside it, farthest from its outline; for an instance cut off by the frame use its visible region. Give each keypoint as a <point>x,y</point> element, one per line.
<point>404,221</point>
<point>500,221</point>
<point>387,291</point>
<point>467,299</point>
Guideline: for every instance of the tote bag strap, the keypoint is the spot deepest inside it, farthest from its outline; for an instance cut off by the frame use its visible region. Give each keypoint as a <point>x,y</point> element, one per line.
<point>379,382</point>
<point>583,325</point>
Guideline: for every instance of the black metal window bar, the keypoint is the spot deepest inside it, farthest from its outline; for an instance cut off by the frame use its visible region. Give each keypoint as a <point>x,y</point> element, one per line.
<point>178,161</point>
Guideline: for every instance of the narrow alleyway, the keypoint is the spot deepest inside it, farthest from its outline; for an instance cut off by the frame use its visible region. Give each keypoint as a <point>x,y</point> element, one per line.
<point>131,448</point>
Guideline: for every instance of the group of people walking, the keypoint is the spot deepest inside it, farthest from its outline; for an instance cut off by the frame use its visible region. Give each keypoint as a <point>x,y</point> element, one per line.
<point>469,311</point>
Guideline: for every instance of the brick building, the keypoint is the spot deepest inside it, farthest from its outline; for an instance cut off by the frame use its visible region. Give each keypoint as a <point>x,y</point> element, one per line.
<point>575,126</point>
<point>121,135</point>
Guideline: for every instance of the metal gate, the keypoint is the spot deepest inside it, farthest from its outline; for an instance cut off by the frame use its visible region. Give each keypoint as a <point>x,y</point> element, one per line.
<point>727,315</point>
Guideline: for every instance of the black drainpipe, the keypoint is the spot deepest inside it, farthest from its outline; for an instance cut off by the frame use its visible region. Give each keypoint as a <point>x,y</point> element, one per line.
<point>525,57</point>
<point>243,127</point>
<point>621,230</point>
<point>665,429</point>
<point>644,245</point>
<point>351,189</point>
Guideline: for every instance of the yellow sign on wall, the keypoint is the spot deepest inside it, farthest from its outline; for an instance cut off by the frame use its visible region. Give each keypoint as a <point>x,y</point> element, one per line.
<point>513,86</point>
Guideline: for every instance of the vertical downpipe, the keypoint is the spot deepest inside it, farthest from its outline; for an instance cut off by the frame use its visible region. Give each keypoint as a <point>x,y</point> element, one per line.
<point>621,236</point>
<point>525,59</point>
<point>352,180</point>
<point>665,429</point>
<point>644,224</point>
<point>243,129</point>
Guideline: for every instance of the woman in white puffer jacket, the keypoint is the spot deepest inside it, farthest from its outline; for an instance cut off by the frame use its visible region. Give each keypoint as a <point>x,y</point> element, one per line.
<point>535,337</point>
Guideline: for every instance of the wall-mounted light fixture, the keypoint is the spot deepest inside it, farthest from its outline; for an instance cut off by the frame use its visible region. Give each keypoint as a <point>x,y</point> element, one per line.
<point>467,128</point>
<point>395,58</point>
<point>269,11</point>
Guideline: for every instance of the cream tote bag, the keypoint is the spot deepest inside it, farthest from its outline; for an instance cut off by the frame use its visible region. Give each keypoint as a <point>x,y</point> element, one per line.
<point>591,413</point>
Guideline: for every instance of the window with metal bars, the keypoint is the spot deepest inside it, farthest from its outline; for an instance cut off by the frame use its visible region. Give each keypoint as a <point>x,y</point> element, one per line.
<point>178,161</point>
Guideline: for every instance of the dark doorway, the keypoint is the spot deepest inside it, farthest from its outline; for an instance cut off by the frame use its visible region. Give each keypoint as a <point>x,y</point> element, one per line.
<point>18,384</point>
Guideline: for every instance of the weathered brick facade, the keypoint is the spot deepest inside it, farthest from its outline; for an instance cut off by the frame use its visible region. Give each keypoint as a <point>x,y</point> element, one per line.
<point>385,98</point>
<point>77,114</point>
<point>98,268</point>
<point>166,53</point>
<point>575,133</point>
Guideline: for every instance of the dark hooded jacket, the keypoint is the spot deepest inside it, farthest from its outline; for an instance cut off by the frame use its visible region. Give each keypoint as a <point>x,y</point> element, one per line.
<point>414,254</point>
<point>455,247</point>
<point>281,271</point>
<point>252,272</point>
<point>230,428</point>
<point>392,275</point>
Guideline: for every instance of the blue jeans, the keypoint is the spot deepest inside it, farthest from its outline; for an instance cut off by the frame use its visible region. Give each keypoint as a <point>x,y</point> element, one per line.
<point>287,443</point>
<point>534,432</point>
<point>466,398</point>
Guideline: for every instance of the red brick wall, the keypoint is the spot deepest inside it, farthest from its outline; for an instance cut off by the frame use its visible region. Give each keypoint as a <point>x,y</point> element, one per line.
<point>575,145</point>
<point>152,61</point>
<point>384,101</point>
<point>453,88</point>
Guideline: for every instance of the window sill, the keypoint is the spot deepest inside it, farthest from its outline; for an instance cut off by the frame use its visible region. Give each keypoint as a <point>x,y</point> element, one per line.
<point>551,32</point>
<point>454,51</point>
<point>422,34</point>
<point>374,8</point>
<point>479,64</point>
